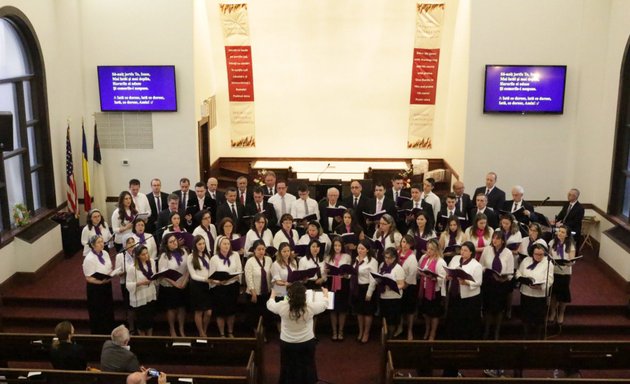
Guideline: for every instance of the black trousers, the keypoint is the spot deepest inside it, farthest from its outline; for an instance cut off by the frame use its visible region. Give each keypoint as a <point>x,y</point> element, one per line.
<point>297,363</point>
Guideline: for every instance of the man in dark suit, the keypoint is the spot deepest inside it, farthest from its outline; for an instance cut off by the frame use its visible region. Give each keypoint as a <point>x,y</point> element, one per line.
<point>185,193</point>
<point>158,201</point>
<point>233,209</point>
<point>450,209</point>
<point>378,204</point>
<point>165,216</point>
<point>462,199</point>
<point>243,194</point>
<point>260,205</point>
<point>214,193</point>
<point>522,210</point>
<point>199,203</point>
<point>482,207</point>
<point>332,200</point>
<point>415,203</point>
<point>397,189</point>
<point>496,197</point>
<point>571,215</point>
<point>358,202</point>
<point>269,188</point>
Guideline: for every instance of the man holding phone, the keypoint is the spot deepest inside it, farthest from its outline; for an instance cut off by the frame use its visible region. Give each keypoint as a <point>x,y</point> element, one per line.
<point>146,374</point>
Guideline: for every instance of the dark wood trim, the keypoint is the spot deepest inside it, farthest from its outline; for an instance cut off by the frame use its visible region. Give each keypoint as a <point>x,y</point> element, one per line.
<point>30,277</point>
<point>452,170</point>
<point>203,139</point>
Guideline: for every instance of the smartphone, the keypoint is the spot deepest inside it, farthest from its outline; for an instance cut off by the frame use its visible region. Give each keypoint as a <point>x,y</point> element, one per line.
<point>152,372</point>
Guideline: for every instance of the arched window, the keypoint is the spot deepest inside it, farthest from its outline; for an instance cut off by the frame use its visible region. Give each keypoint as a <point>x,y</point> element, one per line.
<point>26,175</point>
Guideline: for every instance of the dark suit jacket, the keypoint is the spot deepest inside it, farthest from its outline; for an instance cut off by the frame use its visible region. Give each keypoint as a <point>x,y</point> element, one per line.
<point>520,216</point>
<point>388,205</point>
<point>240,225</point>
<point>164,220</point>
<point>249,196</point>
<point>493,219</point>
<point>323,216</point>
<point>403,192</point>
<point>403,226</point>
<point>191,195</point>
<point>270,214</point>
<point>362,206</point>
<point>68,356</point>
<point>496,198</point>
<point>152,224</point>
<point>115,358</point>
<point>220,198</point>
<point>465,206</point>
<point>573,220</point>
<point>442,219</point>
<point>193,208</point>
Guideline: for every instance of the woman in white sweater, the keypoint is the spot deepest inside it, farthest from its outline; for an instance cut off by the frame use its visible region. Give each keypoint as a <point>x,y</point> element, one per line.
<point>142,290</point>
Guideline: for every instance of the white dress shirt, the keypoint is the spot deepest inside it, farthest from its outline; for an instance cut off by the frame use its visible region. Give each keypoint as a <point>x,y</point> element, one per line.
<point>276,201</point>
<point>217,265</point>
<point>434,200</point>
<point>298,209</point>
<point>365,274</point>
<point>142,203</point>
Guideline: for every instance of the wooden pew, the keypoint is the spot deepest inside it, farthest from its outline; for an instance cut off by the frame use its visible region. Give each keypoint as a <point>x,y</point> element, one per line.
<point>53,376</point>
<point>425,356</point>
<point>151,350</point>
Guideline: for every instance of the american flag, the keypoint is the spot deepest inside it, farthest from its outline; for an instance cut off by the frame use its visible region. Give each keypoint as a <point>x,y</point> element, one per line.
<point>72,186</point>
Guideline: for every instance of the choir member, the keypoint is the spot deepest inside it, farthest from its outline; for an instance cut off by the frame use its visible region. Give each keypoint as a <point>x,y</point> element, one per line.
<point>534,237</point>
<point>243,194</point>
<point>212,191</point>
<point>286,233</point>
<point>350,225</point>
<point>304,206</point>
<point>142,290</point>
<point>226,229</point>
<point>259,231</point>
<point>174,224</point>
<point>200,202</point>
<point>269,188</point>
<point>431,198</point>
<point>140,200</point>
<point>571,214</point>
<point>422,229</point>
<point>448,210</point>
<point>122,218</point>
<point>362,286</point>
<point>314,232</point>
<point>462,200</point>
<point>380,203</point>
<point>99,291</point>
<point>496,197</point>
<point>358,201</point>
<point>522,210</point>
<point>158,201</point>
<point>397,189</point>
<point>389,299</point>
<point>124,262</point>
<point>206,229</point>
<point>386,233</point>
<point>164,217</point>
<point>259,205</point>
<point>284,264</point>
<point>479,233</point>
<point>481,206</point>
<point>142,238</point>
<point>512,236</point>
<point>258,280</point>
<point>562,250</point>
<point>282,201</point>
<point>332,200</point>
<point>498,264</point>
<point>173,293</point>
<point>451,238</point>
<point>407,259</point>
<point>415,205</point>
<point>95,225</point>
<point>432,288</point>
<point>198,263</point>
<point>233,210</point>
<point>340,285</point>
<point>184,193</point>
<point>314,259</point>
<point>225,292</point>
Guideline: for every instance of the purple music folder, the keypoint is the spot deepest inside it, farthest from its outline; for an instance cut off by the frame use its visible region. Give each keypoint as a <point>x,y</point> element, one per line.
<point>168,274</point>
<point>300,249</point>
<point>458,273</point>
<point>238,243</point>
<point>344,269</point>
<point>302,274</point>
<point>513,246</point>
<point>186,237</point>
<point>428,272</point>
<point>386,280</point>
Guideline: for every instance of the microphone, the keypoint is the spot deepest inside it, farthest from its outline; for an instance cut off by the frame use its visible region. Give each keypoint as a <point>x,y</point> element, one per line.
<point>544,201</point>
<point>322,172</point>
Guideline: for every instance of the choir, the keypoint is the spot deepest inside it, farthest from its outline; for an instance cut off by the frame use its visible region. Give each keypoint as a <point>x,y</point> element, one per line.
<point>406,252</point>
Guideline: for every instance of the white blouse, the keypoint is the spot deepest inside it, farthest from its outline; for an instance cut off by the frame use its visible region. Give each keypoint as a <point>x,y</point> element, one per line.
<point>305,263</point>
<point>118,224</point>
<point>440,286</point>
<point>217,265</point>
<point>124,262</point>
<point>253,274</point>
<point>140,295</point>
<point>397,274</point>
<point>475,270</point>
<point>252,236</point>
<point>507,260</point>
<point>91,264</point>
<point>149,242</point>
<point>280,238</point>
<point>164,263</point>
<point>281,273</point>
<point>201,275</point>
<point>87,233</point>
<point>542,273</point>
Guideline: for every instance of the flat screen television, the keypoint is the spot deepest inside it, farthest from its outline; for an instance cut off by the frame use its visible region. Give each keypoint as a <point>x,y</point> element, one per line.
<point>149,88</point>
<point>524,89</point>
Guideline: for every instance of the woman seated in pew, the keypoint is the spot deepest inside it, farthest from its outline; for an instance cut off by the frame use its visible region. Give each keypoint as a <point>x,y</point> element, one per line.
<point>535,276</point>
<point>421,229</point>
<point>479,233</point>
<point>258,280</point>
<point>95,225</point>
<point>286,234</point>
<point>389,299</point>
<point>284,264</point>
<point>498,265</point>
<point>122,218</point>
<point>258,231</point>
<point>97,269</point>
<point>362,286</point>
<point>143,238</point>
<point>314,258</point>
<point>463,317</point>
<point>314,232</point>
<point>66,354</point>
<point>198,263</point>
<point>173,293</point>
<point>206,229</point>
<point>349,225</point>
<point>432,288</point>
<point>340,285</point>
<point>225,292</point>
<point>408,261</point>
<point>124,262</point>
<point>512,237</point>
<point>562,250</point>
<point>452,237</point>
<point>386,233</point>
<point>226,229</point>
<point>142,290</point>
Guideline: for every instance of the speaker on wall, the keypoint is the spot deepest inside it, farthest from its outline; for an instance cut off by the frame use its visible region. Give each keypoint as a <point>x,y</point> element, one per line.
<point>6,131</point>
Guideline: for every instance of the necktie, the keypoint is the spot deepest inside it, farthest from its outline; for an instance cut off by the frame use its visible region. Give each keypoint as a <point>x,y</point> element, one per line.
<point>356,202</point>
<point>269,191</point>
<point>158,203</point>
<point>379,205</point>
<point>234,211</point>
<point>487,191</point>
<point>214,196</point>
<point>450,213</point>
<point>305,207</point>
<point>184,195</point>
<point>396,195</point>
<point>242,198</point>
<point>259,209</point>
<point>568,210</point>
<point>284,205</point>
<point>515,207</point>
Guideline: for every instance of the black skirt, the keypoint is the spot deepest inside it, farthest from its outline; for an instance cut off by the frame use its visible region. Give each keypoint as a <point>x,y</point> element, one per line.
<point>172,298</point>
<point>145,315</point>
<point>359,305</point>
<point>342,296</point>
<point>390,310</point>
<point>224,298</point>
<point>100,303</point>
<point>494,294</point>
<point>533,309</point>
<point>125,295</point>
<point>297,363</point>
<point>463,319</point>
<point>561,288</point>
<point>432,308</point>
<point>200,297</point>
<point>409,300</point>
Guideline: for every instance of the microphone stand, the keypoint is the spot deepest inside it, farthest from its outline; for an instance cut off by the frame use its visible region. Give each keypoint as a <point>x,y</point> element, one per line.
<point>548,291</point>
<point>322,172</point>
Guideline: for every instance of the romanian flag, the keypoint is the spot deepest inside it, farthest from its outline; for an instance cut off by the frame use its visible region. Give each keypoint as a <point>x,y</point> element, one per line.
<point>87,198</point>
<point>71,192</point>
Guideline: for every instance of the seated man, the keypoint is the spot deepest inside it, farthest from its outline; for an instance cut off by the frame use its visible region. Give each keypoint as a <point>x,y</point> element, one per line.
<point>116,356</point>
